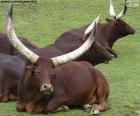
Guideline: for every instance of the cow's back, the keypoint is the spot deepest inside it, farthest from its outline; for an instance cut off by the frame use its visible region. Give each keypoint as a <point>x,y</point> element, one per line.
<point>70,40</point>
<point>7,48</point>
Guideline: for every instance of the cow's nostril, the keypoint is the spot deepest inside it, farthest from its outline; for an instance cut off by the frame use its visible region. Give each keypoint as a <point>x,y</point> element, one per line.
<point>47,88</point>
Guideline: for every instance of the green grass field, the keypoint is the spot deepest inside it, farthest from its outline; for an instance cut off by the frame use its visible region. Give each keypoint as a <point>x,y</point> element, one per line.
<point>41,23</point>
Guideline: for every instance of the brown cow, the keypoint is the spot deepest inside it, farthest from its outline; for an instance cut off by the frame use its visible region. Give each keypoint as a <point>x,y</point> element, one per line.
<point>76,83</point>
<point>107,34</point>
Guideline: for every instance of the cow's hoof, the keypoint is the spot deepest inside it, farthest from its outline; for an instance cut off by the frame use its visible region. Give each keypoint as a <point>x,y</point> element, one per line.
<point>94,112</point>
<point>20,108</point>
<point>66,108</point>
<point>49,114</point>
<point>87,107</point>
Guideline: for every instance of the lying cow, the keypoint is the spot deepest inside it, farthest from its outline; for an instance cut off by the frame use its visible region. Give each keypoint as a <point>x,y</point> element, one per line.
<point>107,34</point>
<point>47,87</point>
<point>11,68</point>
<point>76,84</point>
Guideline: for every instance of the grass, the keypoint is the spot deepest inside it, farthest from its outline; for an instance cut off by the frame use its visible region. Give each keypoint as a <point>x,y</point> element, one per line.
<point>41,23</point>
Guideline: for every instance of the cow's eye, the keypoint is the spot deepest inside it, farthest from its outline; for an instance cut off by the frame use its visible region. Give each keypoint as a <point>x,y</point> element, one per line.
<point>53,76</point>
<point>37,74</point>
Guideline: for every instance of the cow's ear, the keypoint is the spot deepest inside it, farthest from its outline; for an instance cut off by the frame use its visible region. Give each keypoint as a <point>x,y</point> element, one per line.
<point>108,19</point>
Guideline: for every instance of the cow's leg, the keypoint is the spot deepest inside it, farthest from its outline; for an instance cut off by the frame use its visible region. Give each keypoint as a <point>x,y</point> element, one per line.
<point>56,105</point>
<point>102,102</point>
<point>34,107</point>
<point>4,96</point>
<point>95,108</point>
<point>87,107</point>
<point>1,96</point>
<point>3,87</point>
<point>101,107</point>
<point>102,94</point>
<point>113,52</point>
<point>62,108</point>
<point>20,107</point>
<point>98,102</point>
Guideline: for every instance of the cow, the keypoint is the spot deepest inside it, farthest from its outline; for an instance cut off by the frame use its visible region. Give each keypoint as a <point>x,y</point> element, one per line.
<point>11,68</point>
<point>76,84</point>
<point>54,84</point>
<point>107,34</point>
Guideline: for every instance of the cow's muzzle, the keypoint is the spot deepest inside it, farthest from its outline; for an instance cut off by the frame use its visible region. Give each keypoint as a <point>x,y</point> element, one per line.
<point>132,31</point>
<point>46,89</point>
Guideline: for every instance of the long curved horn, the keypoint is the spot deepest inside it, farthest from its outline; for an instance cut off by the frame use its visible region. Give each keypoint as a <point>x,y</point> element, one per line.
<point>112,11</point>
<point>16,42</point>
<point>122,13</point>
<point>90,27</point>
<point>78,52</point>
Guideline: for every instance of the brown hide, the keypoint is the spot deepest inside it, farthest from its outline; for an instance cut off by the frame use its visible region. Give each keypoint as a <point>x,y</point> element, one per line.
<point>107,34</point>
<point>11,68</point>
<point>7,48</point>
<point>75,84</point>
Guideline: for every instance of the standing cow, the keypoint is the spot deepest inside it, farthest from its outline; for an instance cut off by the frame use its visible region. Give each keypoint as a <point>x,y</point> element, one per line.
<point>107,34</point>
<point>47,87</point>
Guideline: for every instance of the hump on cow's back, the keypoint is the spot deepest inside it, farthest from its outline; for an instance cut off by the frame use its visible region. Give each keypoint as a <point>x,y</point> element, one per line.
<point>73,35</point>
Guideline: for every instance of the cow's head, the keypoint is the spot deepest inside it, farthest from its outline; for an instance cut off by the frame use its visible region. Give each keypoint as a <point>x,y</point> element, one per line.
<point>116,26</point>
<point>39,70</point>
<point>39,75</point>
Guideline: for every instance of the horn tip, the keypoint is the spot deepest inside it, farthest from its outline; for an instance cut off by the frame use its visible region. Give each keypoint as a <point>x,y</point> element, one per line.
<point>97,20</point>
<point>10,12</point>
